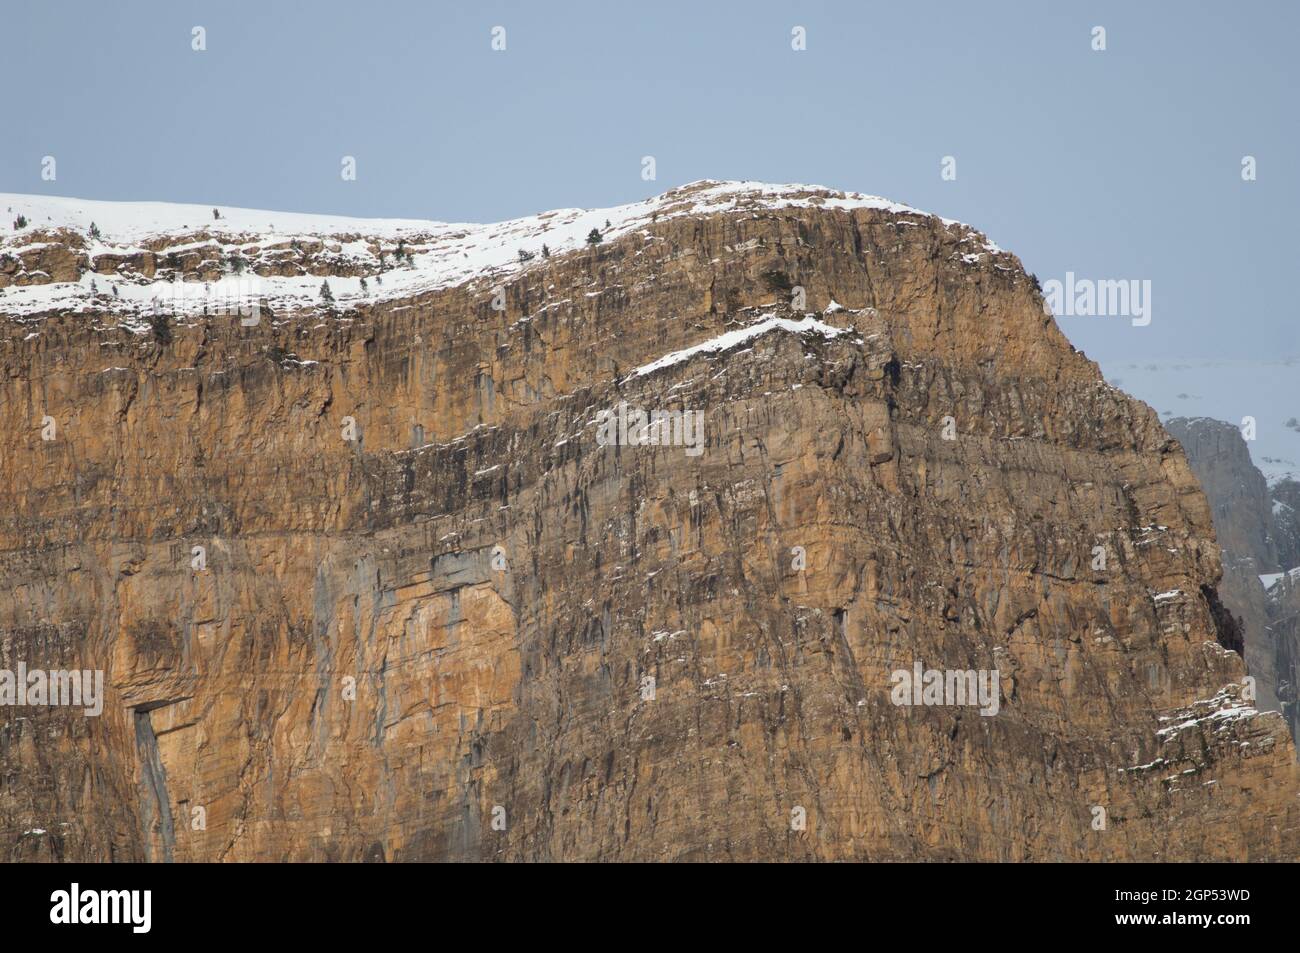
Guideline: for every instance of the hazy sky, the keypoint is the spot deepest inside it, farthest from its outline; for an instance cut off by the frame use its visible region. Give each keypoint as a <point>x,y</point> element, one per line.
<point>1122,164</point>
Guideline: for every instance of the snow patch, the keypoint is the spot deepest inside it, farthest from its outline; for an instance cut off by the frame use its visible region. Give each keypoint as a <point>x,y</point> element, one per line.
<point>731,339</point>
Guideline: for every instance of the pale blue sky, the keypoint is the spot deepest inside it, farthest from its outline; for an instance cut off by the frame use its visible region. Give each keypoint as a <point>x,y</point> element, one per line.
<point>1122,164</point>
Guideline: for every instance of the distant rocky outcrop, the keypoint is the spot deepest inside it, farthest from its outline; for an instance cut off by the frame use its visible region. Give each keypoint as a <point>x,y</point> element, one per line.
<point>1285,497</point>
<point>1257,527</point>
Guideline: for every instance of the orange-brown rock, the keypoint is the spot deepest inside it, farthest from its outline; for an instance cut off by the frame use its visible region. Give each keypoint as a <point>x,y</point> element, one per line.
<point>435,618</point>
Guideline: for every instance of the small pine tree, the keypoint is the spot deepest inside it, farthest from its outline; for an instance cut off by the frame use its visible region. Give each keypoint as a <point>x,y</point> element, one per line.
<point>115,294</point>
<point>593,237</point>
<point>325,294</point>
<point>94,230</point>
<point>93,288</point>
<point>216,214</point>
<point>546,252</point>
<point>364,287</point>
<point>607,225</point>
<point>20,222</point>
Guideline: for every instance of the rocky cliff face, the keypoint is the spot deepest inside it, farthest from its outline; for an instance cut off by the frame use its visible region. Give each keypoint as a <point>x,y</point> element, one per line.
<point>1257,528</point>
<point>1285,497</point>
<point>383,578</point>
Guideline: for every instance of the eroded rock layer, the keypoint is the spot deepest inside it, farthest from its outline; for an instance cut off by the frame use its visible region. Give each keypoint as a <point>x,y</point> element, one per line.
<point>473,632</point>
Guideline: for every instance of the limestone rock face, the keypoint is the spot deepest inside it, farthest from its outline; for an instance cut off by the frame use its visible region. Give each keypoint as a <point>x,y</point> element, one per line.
<point>387,580</point>
<point>1237,491</point>
<point>1256,528</point>
<point>1285,495</point>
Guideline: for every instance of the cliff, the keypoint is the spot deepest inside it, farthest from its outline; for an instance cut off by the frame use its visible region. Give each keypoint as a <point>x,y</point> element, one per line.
<point>394,574</point>
<point>1257,528</point>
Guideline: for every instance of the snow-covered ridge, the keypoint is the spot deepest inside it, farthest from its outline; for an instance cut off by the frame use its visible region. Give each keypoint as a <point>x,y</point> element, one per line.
<point>440,254</point>
<point>1269,580</point>
<point>1214,713</point>
<point>1214,719</point>
<point>725,342</point>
